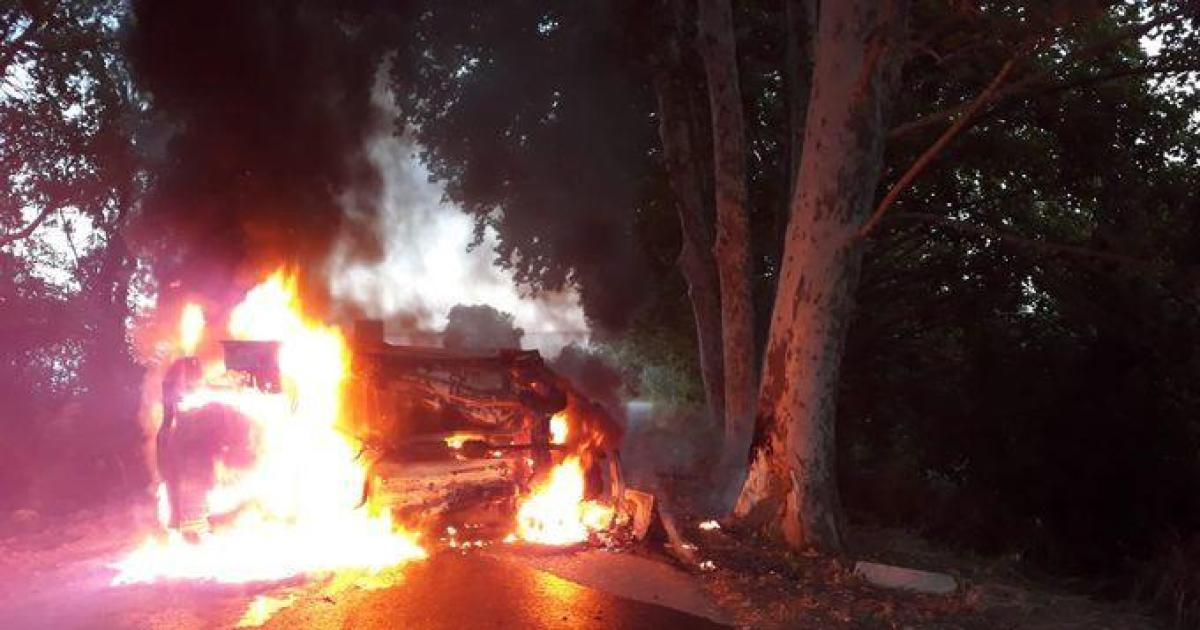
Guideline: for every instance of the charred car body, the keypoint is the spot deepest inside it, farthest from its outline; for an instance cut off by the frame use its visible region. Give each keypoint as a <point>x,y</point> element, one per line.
<point>445,434</point>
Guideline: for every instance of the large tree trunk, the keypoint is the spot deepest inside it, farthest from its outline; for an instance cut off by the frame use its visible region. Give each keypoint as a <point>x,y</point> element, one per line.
<point>791,490</point>
<point>732,247</point>
<point>683,158</point>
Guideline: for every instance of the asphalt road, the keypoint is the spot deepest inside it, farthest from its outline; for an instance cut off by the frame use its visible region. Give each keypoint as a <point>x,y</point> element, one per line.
<point>478,591</point>
<point>449,590</point>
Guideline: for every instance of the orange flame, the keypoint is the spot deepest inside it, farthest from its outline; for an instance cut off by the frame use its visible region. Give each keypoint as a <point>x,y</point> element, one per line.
<point>191,328</point>
<point>298,504</point>
<point>458,438</point>
<point>556,512</point>
<point>559,428</point>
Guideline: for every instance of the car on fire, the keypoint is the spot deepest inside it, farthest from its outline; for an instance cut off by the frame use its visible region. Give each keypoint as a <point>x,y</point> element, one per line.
<point>446,435</point>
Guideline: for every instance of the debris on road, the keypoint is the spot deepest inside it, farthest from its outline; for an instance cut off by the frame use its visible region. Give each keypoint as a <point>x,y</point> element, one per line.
<point>902,578</point>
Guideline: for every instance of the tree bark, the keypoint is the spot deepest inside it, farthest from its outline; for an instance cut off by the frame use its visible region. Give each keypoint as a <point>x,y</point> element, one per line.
<point>791,491</point>
<point>683,157</point>
<point>732,247</point>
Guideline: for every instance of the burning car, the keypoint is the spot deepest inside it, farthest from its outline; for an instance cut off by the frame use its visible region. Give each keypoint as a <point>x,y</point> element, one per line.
<point>441,435</point>
<point>460,435</point>
<point>289,449</point>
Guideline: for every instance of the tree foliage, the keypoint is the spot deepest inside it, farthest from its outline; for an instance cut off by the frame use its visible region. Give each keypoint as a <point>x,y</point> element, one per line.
<point>67,110</point>
<point>537,119</point>
<point>480,327</point>
<point>1033,380</point>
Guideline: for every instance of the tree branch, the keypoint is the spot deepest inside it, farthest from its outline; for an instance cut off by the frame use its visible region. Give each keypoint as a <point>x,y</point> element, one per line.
<point>1015,239</point>
<point>1122,73</point>
<point>934,149</point>
<point>26,231</point>
<point>1091,80</point>
<point>1015,88</point>
<point>66,227</point>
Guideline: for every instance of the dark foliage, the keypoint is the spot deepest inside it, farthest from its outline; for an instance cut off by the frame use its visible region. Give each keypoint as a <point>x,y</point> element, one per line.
<point>1018,397</point>
<point>480,327</point>
<point>67,374</point>
<point>538,120</point>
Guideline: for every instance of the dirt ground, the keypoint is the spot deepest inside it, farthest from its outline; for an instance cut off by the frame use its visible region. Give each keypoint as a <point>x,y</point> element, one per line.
<point>761,587</point>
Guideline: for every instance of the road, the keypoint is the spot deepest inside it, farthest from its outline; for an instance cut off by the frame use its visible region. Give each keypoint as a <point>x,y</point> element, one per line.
<point>449,590</point>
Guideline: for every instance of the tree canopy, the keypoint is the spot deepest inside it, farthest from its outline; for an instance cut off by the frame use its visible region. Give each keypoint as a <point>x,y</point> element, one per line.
<point>67,121</point>
<point>480,327</point>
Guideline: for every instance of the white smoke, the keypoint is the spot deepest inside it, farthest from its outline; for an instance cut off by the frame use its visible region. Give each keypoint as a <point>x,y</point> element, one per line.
<point>428,267</point>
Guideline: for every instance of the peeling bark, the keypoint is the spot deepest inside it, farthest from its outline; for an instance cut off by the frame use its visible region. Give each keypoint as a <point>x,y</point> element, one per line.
<point>732,247</point>
<point>791,491</point>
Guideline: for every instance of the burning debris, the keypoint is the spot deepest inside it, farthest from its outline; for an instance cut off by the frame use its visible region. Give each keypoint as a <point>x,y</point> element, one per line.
<point>300,452</point>
<point>556,513</point>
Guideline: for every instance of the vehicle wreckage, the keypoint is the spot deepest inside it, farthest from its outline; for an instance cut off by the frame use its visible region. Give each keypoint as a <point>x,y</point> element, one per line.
<point>446,435</point>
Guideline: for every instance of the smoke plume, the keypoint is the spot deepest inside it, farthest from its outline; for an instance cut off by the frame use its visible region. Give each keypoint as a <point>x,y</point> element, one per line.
<point>262,111</point>
<point>275,144</point>
<point>426,268</point>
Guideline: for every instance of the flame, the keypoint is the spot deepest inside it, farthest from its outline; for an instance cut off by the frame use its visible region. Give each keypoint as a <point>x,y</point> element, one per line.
<point>163,505</point>
<point>556,513</point>
<point>262,609</point>
<point>296,508</point>
<point>456,439</point>
<point>191,328</point>
<point>559,428</point>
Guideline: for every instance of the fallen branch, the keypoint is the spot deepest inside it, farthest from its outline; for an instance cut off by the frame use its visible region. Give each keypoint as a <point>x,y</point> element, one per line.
<point>934,149</point>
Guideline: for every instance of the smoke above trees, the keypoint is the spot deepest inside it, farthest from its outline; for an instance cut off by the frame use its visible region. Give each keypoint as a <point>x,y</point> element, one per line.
<point>273,140</point>
<point>261,111</point>
<point>428,264</point>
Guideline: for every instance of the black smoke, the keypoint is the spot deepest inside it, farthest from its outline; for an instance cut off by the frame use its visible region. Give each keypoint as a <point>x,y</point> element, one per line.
<point>265,107</point>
